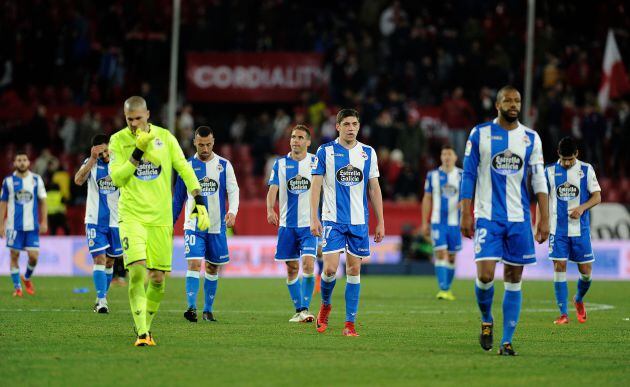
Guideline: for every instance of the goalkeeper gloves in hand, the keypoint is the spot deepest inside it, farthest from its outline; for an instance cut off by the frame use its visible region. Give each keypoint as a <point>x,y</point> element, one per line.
<point>201,213</point>
<point>143,139</point>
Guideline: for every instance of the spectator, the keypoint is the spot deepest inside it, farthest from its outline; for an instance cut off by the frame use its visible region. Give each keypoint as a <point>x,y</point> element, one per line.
<point>459,117</point>
<point>56,210</point>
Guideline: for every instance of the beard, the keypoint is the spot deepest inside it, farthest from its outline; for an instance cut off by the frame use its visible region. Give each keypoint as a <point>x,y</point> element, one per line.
<point>506,116</point>
<point>22,169</point>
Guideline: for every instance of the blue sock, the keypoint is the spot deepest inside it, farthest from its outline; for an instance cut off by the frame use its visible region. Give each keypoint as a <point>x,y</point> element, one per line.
<point>511,310</point>
<point>561,290</point>
<point>440,274</point>
<point>29,271</point>
<point>15,277</point>
<point>320,265</point>
<point>353,289</point>
<point>449,268</point>
<point>485,295</point>
<point>100,280</point>
<point>308,284</point>
<point>295,291</point>
<point>210,291</point>
<point>192,288</point>
<point>109,273</point>
<point>582,287</point>
<point>327,286</point>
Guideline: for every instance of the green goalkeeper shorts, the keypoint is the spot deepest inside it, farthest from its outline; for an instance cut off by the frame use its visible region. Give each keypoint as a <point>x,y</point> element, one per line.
<point>151,243</point>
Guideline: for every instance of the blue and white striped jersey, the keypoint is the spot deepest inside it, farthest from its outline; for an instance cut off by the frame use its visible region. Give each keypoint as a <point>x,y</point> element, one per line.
<point>496,167</point>
<point>293,179</point>
<point>346,173</point>
<point>218,183</point>
<point>22,195</point>
<point>101,207</point>
<point>444,190</point>
<point>570,188</point>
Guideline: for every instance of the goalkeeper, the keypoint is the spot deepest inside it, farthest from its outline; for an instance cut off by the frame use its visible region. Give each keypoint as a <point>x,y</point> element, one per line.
<point>142,159</point>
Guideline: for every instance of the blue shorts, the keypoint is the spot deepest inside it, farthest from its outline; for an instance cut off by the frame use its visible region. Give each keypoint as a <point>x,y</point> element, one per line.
<point>22,240</point>
<point>352,238</point>
<point>202,245</point>
<point>103,239</point>
<point>446,237</point>
<point>510,242</point>
<point>294,242</point>
<point>575,249</point>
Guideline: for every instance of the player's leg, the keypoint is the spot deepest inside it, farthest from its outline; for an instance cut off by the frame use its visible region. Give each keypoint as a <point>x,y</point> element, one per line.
<point>438,236</point>
<point>159,260</point>
<point>109,270</point>
<point>100,281</point>
<point>358,248</point>
<point>33,257</point>
<point>559,254</point>
<point>454,242</point>
<point>217,254</point>
<point>15,272</point>
<point>155,293</point>
<point>308,251</point>
<point>294,287</point>
<point>114,251</point>
<point>319,261</point>
<point>288,251</point>
<point>195,251</point>
<point>582,254</point>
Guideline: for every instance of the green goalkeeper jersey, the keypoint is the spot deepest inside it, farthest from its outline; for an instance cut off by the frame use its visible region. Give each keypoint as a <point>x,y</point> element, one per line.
<point>146,190</point>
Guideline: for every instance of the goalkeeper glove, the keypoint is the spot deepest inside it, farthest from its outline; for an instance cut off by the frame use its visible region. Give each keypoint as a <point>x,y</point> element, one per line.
<point>201,213</point>
<point>143,139</point>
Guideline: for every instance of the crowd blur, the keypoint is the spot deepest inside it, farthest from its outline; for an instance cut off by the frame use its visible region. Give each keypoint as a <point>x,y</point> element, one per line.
<point>420,73</point>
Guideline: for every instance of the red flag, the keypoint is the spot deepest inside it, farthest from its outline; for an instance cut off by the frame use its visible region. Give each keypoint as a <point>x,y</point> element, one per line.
<point>615,81</point>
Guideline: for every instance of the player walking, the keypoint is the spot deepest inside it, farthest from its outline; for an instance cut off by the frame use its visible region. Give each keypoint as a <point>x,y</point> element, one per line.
<point>498,159</point>
<point>218,183</point>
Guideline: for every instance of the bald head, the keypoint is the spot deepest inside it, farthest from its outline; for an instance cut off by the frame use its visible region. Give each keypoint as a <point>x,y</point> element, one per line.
<point>135,103</point>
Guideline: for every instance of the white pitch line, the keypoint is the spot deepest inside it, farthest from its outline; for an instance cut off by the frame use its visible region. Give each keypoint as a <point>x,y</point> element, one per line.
<point>590,308</point>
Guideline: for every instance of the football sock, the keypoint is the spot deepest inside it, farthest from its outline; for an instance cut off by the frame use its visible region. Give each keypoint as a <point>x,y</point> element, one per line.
<point>295,291</point>
<point>561,290</point>
<point>29,271</point>
<point>440,274</point>
<point>511,309</point>
<point>155,294</point>
<point>137,297</point>
<point>15,277</point>
<point>485,295</point>
<point>353,289</point>
<point>327,285</point>
<point>109,273</point>
<point>210,290</point>
<point>449,268</point>
<point>582,287</point>
<point>100,280</point>
<point>308,284</point>
<point>192,288</point>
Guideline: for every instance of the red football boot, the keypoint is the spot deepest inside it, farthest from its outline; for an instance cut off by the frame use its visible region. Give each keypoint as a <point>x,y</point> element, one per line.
<point>322,318</point>
<point>564,319</point>
<point>28,285</point>
<point>18,293</point>
<point>349,330</point>
<point>580,311</point>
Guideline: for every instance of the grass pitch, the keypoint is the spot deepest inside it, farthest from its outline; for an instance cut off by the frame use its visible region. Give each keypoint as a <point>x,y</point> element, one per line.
<point>407,338</point>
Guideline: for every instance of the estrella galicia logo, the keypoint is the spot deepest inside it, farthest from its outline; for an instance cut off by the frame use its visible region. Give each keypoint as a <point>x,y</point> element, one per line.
<point>349,175</point>
<point>298,184</point>
<point>507,163</point>
<point>105,185</point>
<point>23,196</point>
<point>208,186</point>
<point>147,171</point>
<point>567,191</point>
<point>449,190</point>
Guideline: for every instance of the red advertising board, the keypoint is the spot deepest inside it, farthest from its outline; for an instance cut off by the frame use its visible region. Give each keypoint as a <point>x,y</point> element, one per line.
<point>252,77</point>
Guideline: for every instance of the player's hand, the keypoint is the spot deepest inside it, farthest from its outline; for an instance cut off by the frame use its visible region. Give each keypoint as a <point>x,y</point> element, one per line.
<point>316,227</point>
<point>466,225</point>
<point>43,227</point>
<point>576,213</point>
<point>424,230</point>
<point>542,230</point>
<point>272,217</point>
<point>201,214</point>
<point>96,150</point>
<point>230,219</point>
<point>143,139</point>
<point>379,232</point>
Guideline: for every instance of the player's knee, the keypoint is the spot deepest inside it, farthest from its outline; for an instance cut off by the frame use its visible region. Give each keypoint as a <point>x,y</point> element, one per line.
<point>212,269</point>
<point>194,264</point>
<point>109,262</point>
<point>559,266</point>
<point>485,277</point>
<point>585,269</point>
<point>100,260</point>
<point>308,265</point>
<point>156,276</point>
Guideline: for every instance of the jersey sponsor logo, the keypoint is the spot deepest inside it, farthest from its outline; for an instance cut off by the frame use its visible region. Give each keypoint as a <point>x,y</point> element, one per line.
<point>298,184</point>
<point>23,196</point>
<point>208,186</point>
<point>349,175</point>
<point>147,171</point>
<point>449,190</point>
<point>105,185</point>
<point>567,191</point>
<point>507,163</point>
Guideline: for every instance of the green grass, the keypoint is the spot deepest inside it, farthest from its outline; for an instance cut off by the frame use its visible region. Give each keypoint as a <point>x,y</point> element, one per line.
<point>407,338</point>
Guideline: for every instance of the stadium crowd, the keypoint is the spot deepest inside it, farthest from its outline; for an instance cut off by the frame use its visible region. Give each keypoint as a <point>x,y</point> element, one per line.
<point>420,73</point>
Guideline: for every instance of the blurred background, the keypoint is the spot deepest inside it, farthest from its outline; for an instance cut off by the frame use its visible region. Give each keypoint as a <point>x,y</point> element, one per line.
<point>420,74</point>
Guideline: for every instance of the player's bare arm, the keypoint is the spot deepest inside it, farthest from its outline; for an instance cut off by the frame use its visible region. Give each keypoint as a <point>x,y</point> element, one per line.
<point>376,198</point>
<point>542,225</point>
<point>594,200</point>
<point>3,212</point>
<point>427,204</point>
<point>272,194</point>
<point>316,188</point>
<point>466,224</point>
<point>43,214</point>
<point>84,172</point>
